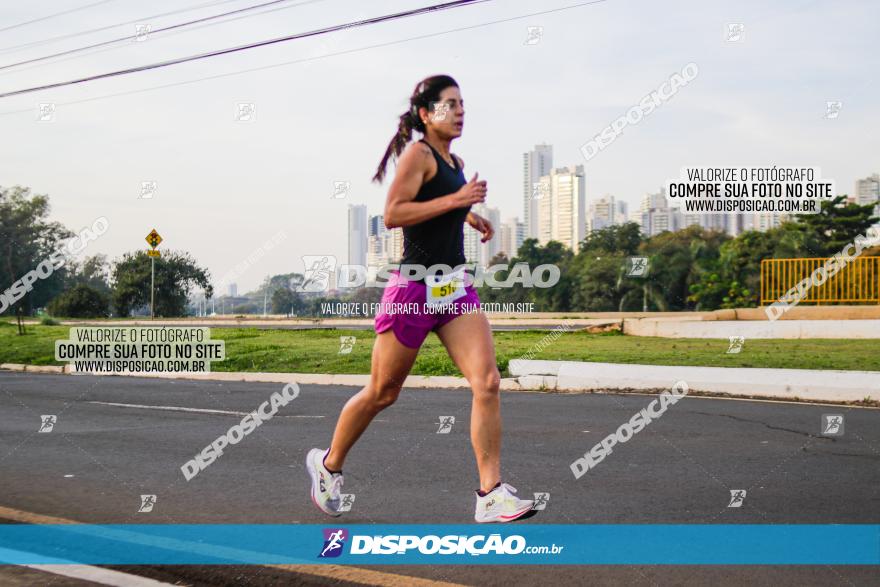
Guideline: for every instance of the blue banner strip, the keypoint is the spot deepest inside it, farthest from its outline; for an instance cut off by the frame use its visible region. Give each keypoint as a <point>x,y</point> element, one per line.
<point>618,544</point>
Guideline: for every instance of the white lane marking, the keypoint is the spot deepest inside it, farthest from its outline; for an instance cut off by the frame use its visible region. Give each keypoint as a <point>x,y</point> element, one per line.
<point>183,409</point>
<point>85,572</point>
<point>99,575</point>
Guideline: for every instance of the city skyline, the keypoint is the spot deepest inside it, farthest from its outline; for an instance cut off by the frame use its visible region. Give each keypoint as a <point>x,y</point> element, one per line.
<point>218,185</point>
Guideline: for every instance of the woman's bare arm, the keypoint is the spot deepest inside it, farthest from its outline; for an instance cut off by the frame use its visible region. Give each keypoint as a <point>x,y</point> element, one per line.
<point>412,169</point>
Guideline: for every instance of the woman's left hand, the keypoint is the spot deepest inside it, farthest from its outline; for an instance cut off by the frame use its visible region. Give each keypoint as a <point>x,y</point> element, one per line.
<point>482,225</point>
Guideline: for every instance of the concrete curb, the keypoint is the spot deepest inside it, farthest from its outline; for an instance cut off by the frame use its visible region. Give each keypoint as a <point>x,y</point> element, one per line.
<point>34,368</point>
<point>751,329</point>
<point>357,380</point>
<point>786,384</point>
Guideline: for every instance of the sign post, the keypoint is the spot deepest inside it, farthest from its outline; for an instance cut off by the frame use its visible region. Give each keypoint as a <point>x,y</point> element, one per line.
<point>153,239</point>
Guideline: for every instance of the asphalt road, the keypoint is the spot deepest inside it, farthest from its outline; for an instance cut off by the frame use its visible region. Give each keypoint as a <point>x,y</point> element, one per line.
<point>100,458</point>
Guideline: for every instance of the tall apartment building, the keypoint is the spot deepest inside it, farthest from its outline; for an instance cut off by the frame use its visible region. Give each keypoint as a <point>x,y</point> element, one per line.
<point>378,242</point>
<point>474,250</point>
<point>562,207</point>
<point>510,236</point>
<point>868,192</point>
<point>536,164</point>
<point>763,221</point>
<point>357,234</point>
<point>657,216</point>
<point>395,244</point>
<point>606,211</point>
<point>730,223</point>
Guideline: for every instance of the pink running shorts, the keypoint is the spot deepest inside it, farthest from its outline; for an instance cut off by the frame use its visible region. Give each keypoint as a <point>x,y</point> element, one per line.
<point>403,310</point>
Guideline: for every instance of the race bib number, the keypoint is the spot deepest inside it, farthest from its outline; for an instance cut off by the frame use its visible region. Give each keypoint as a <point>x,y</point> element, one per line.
<point>445,289</point>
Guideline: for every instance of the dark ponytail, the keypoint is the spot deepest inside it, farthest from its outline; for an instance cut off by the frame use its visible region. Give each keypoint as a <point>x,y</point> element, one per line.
<point>425,92</point>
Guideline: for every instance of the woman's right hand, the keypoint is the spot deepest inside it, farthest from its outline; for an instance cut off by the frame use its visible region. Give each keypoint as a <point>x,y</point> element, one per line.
<point>473,192</point>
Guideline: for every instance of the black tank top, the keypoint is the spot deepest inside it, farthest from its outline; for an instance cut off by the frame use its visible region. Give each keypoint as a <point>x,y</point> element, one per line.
<point>439,239</point>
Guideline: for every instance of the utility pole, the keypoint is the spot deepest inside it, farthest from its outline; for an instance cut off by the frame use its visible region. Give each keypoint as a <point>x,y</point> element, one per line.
<point>153,239</point>
<point>152,285</point>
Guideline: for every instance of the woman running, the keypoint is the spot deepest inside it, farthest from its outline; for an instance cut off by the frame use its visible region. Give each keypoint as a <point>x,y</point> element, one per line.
<point>431,200</point>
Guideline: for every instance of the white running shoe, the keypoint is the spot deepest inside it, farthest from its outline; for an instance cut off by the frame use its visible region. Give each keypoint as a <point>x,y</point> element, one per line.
<point>500,505</point>
<point>325,485</point>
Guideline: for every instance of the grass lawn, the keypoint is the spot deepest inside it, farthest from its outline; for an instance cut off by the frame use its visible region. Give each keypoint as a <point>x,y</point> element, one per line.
<point>317,351</point>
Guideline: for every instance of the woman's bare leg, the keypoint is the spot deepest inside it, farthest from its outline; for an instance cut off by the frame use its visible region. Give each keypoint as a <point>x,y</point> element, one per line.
<point>468,340</point>
<point>391,363</point>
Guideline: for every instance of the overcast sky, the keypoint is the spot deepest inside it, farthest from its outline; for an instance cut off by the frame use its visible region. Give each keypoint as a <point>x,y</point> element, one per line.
<point>225,187</point>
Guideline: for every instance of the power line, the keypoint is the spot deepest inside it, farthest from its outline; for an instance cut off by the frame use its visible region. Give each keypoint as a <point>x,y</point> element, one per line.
<point>42,18</point>
<point>135,36</point>
<point>177,32</point>
<point>161,64</point>
<point>315,58</point>
<point>15,48</point>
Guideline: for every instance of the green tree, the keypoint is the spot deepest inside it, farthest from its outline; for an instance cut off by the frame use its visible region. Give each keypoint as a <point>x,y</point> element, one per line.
<point>836,225</point>
<point>177,275</point>
<point>677,260</point>
<point>81,301</point>
<point>598,272</point>
<point>734,280</point>
<point>282,301</point>
<point>620,239</point>
<point>93,271</point>
<point>547,299</point>
<point>599,283</point>
<point>27,239</point>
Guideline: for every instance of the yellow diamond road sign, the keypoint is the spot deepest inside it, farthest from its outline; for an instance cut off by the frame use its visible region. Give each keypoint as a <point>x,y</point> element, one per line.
<point>154,239</point>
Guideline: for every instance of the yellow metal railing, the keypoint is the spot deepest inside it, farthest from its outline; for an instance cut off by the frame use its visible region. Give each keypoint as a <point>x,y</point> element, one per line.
<point>857,282</point>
